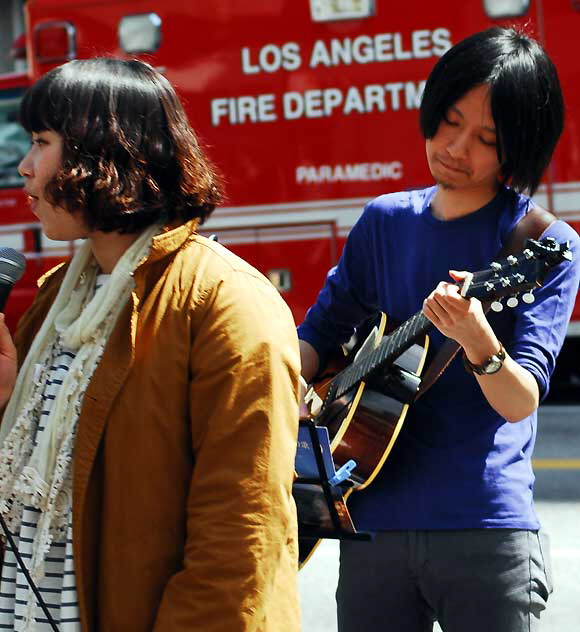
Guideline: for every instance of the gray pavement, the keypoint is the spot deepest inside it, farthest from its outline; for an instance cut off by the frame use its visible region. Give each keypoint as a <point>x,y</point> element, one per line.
<point>557,503</point>
<point>557,494</point>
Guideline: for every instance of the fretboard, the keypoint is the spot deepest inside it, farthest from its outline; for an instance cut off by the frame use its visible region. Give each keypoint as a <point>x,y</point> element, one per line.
<point>390,348</point>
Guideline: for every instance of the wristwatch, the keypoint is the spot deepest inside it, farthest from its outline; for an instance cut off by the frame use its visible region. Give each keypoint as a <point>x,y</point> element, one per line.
<point>488,367</point>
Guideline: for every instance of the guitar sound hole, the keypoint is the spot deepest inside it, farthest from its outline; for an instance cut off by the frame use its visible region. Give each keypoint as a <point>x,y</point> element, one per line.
<point>395,382</point>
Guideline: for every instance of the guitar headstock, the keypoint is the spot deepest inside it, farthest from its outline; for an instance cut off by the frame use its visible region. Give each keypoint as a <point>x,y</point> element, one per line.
<point>516,274</point>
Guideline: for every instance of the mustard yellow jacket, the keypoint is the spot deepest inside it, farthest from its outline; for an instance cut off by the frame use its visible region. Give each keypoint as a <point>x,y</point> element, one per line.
<point>183,517</point>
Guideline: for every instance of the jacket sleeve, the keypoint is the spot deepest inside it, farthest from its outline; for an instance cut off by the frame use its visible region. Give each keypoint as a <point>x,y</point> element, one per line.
<point>240,566</point>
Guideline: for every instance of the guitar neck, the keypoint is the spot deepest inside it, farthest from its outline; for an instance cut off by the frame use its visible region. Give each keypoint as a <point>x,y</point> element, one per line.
<point>390,348</point>
<point>514,274</point>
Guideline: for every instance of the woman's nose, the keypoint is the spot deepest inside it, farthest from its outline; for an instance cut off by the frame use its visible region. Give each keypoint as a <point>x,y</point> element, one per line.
<point>25,166</point>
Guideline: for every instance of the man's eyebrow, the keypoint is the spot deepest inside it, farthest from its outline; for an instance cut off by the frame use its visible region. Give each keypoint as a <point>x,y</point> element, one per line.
<point>457,111</point>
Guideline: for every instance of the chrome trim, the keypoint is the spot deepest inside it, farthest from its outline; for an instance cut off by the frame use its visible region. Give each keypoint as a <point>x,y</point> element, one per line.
<point>155,21</point>
<point>331,10</point>
<point>495,11</point>
<point>72,45</point>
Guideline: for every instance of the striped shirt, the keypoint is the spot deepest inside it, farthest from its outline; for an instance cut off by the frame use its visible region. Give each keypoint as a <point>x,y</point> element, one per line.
<point>58,587</point>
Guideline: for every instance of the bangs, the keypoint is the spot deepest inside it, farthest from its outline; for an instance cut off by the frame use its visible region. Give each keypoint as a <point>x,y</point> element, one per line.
<point>43,107</point>
<point>525,98</point>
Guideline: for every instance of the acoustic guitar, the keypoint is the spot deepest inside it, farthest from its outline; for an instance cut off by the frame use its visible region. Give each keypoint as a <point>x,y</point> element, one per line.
<point>364,405</point>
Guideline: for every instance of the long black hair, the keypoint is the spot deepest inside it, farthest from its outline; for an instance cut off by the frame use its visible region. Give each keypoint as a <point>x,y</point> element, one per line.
<point>525,97</point>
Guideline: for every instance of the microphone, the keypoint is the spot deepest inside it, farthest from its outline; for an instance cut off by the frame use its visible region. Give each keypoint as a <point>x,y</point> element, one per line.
<point>12,264</point>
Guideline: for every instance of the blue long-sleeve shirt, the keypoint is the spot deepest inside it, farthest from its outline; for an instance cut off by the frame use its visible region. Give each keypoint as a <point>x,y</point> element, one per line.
<point>457,463</point>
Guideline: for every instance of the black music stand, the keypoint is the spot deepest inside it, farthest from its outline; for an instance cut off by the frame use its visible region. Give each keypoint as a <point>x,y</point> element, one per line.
<point>322,511</point>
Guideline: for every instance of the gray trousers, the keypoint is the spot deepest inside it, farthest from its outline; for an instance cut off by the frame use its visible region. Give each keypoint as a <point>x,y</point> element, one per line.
<point>479,580</point>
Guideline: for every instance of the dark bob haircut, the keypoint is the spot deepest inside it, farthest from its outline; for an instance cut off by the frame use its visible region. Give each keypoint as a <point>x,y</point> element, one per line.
<point>525,97</point>
<point>130,157</point>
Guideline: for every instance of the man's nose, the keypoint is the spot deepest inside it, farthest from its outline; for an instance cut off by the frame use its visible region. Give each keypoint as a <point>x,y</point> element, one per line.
<point>459,146</point>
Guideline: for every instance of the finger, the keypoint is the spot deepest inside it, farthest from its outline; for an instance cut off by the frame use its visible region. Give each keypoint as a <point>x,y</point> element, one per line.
<point>451,289</point>
<point>429,313</point>
<point>446,303</point>
<point>458,275</point>
<point>435,311</point>
<point>446,289</point>
<point>453,303</point>
<point>7,347</point>
<point>449,297</point>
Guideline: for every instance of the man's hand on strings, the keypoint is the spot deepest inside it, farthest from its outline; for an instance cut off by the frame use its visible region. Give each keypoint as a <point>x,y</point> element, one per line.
<point>454,316</point>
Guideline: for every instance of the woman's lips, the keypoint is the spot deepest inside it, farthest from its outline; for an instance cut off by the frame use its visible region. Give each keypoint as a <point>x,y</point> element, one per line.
<point>33,201</point>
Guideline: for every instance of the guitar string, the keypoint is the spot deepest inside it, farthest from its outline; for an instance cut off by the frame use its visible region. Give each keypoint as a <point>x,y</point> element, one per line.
<point>382,353</point>
<point>412,328</point>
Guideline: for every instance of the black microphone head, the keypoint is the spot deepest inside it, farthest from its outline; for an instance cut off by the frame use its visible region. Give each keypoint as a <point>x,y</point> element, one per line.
<point>12,264</point>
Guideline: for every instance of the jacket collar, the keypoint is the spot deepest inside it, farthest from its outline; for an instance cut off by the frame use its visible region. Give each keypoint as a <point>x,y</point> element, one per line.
<point>171,239</point>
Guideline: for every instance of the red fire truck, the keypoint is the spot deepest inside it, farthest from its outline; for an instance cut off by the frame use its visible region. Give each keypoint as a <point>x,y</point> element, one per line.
<point>309,107</point>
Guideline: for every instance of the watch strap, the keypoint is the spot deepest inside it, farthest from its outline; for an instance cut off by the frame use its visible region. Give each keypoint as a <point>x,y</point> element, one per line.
<point>481,369</point>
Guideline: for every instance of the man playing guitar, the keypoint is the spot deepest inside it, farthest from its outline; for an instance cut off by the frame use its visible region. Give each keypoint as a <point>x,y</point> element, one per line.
<point>456,536</point>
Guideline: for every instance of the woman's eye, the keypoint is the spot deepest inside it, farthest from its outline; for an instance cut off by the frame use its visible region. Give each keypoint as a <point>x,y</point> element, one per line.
<point>488,143</point>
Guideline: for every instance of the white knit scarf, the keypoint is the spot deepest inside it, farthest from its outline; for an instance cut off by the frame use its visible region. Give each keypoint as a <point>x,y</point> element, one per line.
<point>81,320</point>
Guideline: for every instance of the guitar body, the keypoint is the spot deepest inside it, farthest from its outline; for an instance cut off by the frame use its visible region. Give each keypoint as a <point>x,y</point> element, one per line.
<point>363,424</point>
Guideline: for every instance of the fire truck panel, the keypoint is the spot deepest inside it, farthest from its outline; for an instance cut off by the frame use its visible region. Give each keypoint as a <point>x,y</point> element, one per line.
<point>309,108</point>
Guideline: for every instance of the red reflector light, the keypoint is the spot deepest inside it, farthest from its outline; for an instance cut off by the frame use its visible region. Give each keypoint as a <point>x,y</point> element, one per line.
<point>18,50</point>
<point>54,42</point>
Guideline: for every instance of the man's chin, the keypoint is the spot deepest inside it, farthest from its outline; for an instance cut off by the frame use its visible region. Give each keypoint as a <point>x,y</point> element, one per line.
<point>445,185</point>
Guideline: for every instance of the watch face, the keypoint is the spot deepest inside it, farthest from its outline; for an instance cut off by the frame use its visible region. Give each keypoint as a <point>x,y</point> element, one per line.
<point>493,366</point>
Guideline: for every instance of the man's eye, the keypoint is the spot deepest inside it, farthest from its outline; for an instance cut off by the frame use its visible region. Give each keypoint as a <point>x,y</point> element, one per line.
<point>450,121</point>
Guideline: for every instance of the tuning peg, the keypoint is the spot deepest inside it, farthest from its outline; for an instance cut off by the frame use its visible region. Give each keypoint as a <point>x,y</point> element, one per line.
<point>512,260</point>
<point>495,266</point>
<point>496,306</point>
<point>528,254</point>
<point>528,298</point>
<point>512,302</point>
